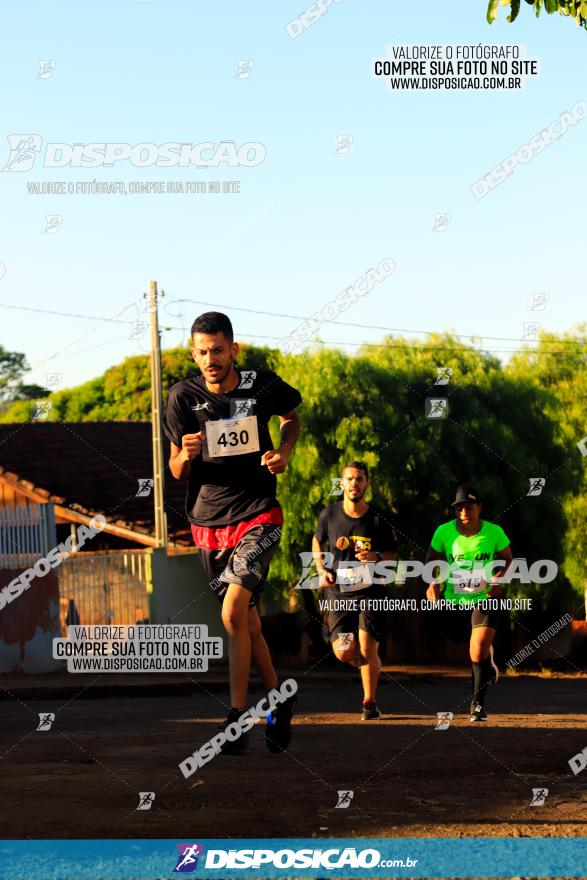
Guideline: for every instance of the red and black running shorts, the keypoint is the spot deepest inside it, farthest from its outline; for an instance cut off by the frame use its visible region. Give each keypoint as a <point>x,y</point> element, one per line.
<point>240,554</point>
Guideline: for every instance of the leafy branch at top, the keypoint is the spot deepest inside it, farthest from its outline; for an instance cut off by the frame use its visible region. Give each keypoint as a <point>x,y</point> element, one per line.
<point>576,9</point>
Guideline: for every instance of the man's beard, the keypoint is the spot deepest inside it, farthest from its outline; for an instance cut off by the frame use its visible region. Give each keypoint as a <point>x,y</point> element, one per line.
<point>219,378</point>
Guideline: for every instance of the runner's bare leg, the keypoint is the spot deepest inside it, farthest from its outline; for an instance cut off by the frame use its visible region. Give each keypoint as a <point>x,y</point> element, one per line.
<point>260,649</point>
<point>481,640</point>
<point>235,619</point>
<point>370,671</point>
<point>345,651</point>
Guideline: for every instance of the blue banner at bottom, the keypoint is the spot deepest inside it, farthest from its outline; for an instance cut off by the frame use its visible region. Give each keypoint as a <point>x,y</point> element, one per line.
<point>470,857</point>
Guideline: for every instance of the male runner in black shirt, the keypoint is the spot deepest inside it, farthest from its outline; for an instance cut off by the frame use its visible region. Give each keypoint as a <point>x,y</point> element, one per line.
<point>354,532</point>
<point>217,424</point>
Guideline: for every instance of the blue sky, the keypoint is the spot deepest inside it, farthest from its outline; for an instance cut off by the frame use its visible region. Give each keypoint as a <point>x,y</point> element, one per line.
<point>307,222</point>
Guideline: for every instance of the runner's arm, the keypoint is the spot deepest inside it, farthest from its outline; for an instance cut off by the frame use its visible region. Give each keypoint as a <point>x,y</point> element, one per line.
<point>289,429</point>
<point>384,536</point>
<point>180,460</point>
<point>506,555</point>
<point>433,591</point>
<point>318,554</point>
<point>375,555</point>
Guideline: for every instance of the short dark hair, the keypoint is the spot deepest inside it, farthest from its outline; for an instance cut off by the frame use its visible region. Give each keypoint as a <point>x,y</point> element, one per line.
<point>359,465</point>
<point>213,322</point>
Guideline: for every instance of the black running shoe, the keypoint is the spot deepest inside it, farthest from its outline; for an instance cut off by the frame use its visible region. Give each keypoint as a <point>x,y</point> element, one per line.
<point>238,746</point>
<point>370,712</point>
<point>478,712</point>
<point>278,727</point>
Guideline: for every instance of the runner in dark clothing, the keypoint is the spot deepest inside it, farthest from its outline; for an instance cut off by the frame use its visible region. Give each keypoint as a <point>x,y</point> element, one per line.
<point>217,424</point>
<point>354,532</point>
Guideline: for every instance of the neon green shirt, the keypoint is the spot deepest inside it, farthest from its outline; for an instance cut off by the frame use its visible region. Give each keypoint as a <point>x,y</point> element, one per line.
<point>472,553</point>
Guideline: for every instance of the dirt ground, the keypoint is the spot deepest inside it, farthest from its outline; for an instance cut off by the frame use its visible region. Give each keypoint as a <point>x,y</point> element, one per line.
<point>82,778</point>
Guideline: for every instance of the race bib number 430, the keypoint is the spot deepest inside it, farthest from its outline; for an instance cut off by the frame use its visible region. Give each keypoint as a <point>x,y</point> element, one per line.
<point>232,436</point>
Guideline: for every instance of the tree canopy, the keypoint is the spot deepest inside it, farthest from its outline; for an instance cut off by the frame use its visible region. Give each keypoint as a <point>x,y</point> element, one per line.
<point>13,366</point>
<point>575,9</point>
<point>505,426</point>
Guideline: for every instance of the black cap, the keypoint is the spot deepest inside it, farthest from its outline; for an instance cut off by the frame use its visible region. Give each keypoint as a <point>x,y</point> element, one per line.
<point>466,494</point>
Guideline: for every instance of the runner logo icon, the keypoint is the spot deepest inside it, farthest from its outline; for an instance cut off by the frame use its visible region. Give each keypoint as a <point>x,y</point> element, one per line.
<point>189,855</point>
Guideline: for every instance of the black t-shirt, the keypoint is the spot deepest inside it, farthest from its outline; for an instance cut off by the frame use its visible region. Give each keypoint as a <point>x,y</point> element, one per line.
<point>225,489</point>
<point>346,534</point>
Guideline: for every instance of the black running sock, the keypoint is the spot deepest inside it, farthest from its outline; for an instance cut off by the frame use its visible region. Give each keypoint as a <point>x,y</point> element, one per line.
<point>483,675</point>
<point>235,714</point>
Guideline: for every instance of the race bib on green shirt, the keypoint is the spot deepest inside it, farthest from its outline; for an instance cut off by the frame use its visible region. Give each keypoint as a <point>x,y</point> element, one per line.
<point>470,558</point>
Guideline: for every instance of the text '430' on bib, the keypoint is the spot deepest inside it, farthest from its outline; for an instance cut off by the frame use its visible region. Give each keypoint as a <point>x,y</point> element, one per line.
<point>232,436</point>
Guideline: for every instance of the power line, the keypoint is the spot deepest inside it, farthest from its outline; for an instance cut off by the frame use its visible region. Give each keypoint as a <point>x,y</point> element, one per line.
<point>344,323</point>
<point>113,320</point>
<point>93,347</point>
<point>407,345</point>
<point>425,346</point>
<point>411,345</point>
<point>69,314</point>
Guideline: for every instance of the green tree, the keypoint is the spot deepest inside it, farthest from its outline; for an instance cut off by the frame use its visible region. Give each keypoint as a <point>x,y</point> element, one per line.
<point>558,367</point>
<point>123,392</point>
<point>505,425</point>
<point>497,435</point>
<point>575,9</point>
<point>13,366</point>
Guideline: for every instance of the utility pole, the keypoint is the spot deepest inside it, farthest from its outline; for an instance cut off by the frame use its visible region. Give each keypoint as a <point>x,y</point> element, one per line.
<point>156,416</point>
